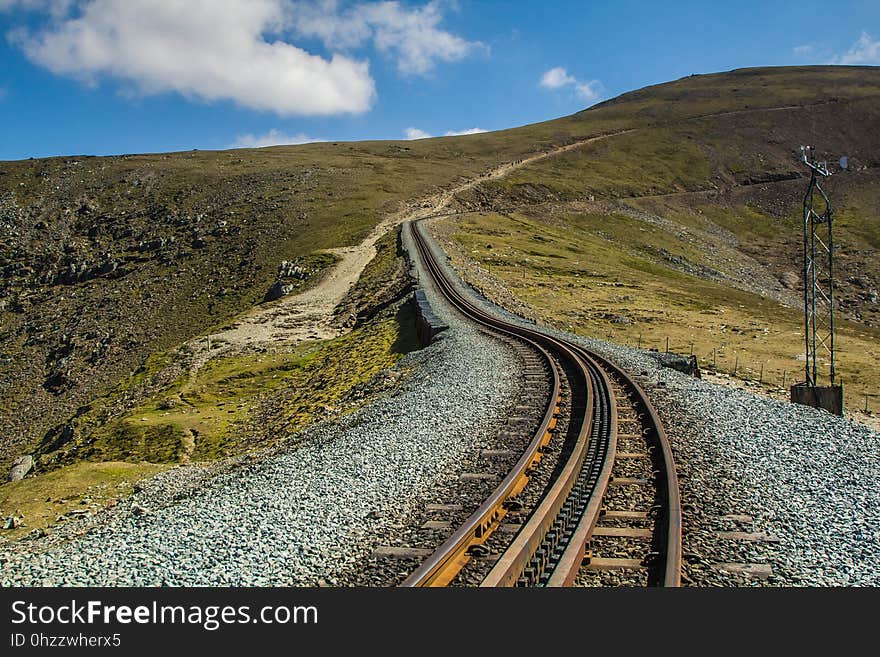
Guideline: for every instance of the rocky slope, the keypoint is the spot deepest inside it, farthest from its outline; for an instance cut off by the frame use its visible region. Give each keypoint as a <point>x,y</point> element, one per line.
<point>111,262</point>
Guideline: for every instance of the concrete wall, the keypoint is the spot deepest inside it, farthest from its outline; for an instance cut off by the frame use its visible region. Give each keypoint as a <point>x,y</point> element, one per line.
<point>427,323</point>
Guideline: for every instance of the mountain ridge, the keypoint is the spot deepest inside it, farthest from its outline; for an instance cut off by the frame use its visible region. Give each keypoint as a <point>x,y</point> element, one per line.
<point>109,261</point>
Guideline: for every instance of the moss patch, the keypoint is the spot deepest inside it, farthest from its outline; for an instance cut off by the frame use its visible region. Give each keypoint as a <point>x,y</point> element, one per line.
<point>211,414</point>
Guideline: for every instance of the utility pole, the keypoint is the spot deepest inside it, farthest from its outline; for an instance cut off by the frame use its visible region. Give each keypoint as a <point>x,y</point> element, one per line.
<point>818,275</point>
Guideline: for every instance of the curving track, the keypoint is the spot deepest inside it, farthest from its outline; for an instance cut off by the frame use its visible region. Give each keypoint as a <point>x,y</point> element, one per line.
<point>551,546</point>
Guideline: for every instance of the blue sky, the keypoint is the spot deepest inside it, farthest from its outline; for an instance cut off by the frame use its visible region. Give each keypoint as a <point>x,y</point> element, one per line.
<point>130,76</point>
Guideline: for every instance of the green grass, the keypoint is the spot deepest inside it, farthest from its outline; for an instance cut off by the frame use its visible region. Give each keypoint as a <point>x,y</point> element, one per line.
<point>653,162</point>
<point>42,500</point>
<point>585,289</point>
<point>215,408</point>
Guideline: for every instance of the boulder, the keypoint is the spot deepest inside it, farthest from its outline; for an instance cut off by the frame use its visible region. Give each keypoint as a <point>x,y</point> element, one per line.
<point>12,522</point>
<point>21,467</point>
<point>678,362</point>
<point>790,280</point>
<point>278,290</point>
<point>37,533</point>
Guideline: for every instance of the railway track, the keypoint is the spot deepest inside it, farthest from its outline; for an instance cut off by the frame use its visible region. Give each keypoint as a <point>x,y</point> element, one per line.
<point>548,526</point>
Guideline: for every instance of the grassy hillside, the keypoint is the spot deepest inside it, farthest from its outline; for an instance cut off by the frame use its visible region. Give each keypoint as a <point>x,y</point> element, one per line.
<point>682,216</point>
<point>598,275</point>
<point>109,260</point>
<point>688,224</point>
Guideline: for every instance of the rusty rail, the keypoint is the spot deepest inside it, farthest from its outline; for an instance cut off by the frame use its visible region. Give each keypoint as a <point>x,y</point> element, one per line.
<point>597,434</point>
<point>445,562</point>
<point>672,540</point>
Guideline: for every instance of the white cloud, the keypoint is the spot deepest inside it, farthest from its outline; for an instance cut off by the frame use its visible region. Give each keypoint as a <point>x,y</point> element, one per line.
<point>415,133</point>
<point>558,78</point>
<point>589,91</point>
<point>469,131</point>
<point>412,36</point>
<point>865,52</point>
<point>272,138</point>
<point>804,51</point>
<point>207,49</point>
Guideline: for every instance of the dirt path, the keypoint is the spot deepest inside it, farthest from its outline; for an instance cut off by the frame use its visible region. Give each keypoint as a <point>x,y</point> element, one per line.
<point>309,315</point>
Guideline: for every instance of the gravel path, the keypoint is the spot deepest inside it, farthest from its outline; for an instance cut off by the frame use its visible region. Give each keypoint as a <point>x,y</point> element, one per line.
<point>301,517</point>
<point>798,474</point>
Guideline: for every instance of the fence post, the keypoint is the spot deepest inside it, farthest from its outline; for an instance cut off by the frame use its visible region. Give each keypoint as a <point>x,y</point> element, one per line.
<point>667,344</point>
<point>783,377</point>
<point>736,365</point>
<point>640,342</point>
<point>761,377</point>
<point>714,364</point>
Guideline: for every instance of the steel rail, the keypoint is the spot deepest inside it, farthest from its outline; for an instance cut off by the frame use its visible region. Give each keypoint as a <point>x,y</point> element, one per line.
<point>511,565</point>
<point>596,435</point>
<point>672,496</point>
<point>453,549</point>
<point>569,563</point>
<point>447,560</point>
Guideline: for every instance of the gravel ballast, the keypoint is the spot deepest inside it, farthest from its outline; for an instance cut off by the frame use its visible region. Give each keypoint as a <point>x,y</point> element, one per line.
<point>806,479</point>
<point>302,516</point>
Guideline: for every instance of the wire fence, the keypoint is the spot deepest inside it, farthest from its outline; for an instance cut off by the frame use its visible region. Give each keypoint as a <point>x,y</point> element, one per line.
<point>722,361</point>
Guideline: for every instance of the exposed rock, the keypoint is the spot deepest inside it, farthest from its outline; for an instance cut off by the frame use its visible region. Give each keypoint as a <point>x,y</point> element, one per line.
<point>12,522</point>
<point>287,270</point>
<point>58,379</point>
<point>21,467</point>
<point>682,263</point>
<point>678,362</point>
<point>100,348</point>
<point>428,325</point>
<point>152,245</point>
<point>757,179</point>
<point>168,403</point>
<point>57,437</point>
<point>37,533</point>
<point>790,280</point>
<point>278,290</point>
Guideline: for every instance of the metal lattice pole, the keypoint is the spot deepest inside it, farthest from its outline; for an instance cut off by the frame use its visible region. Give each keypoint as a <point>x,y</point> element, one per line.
<point>808,284</point>
<point>818,273</point>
